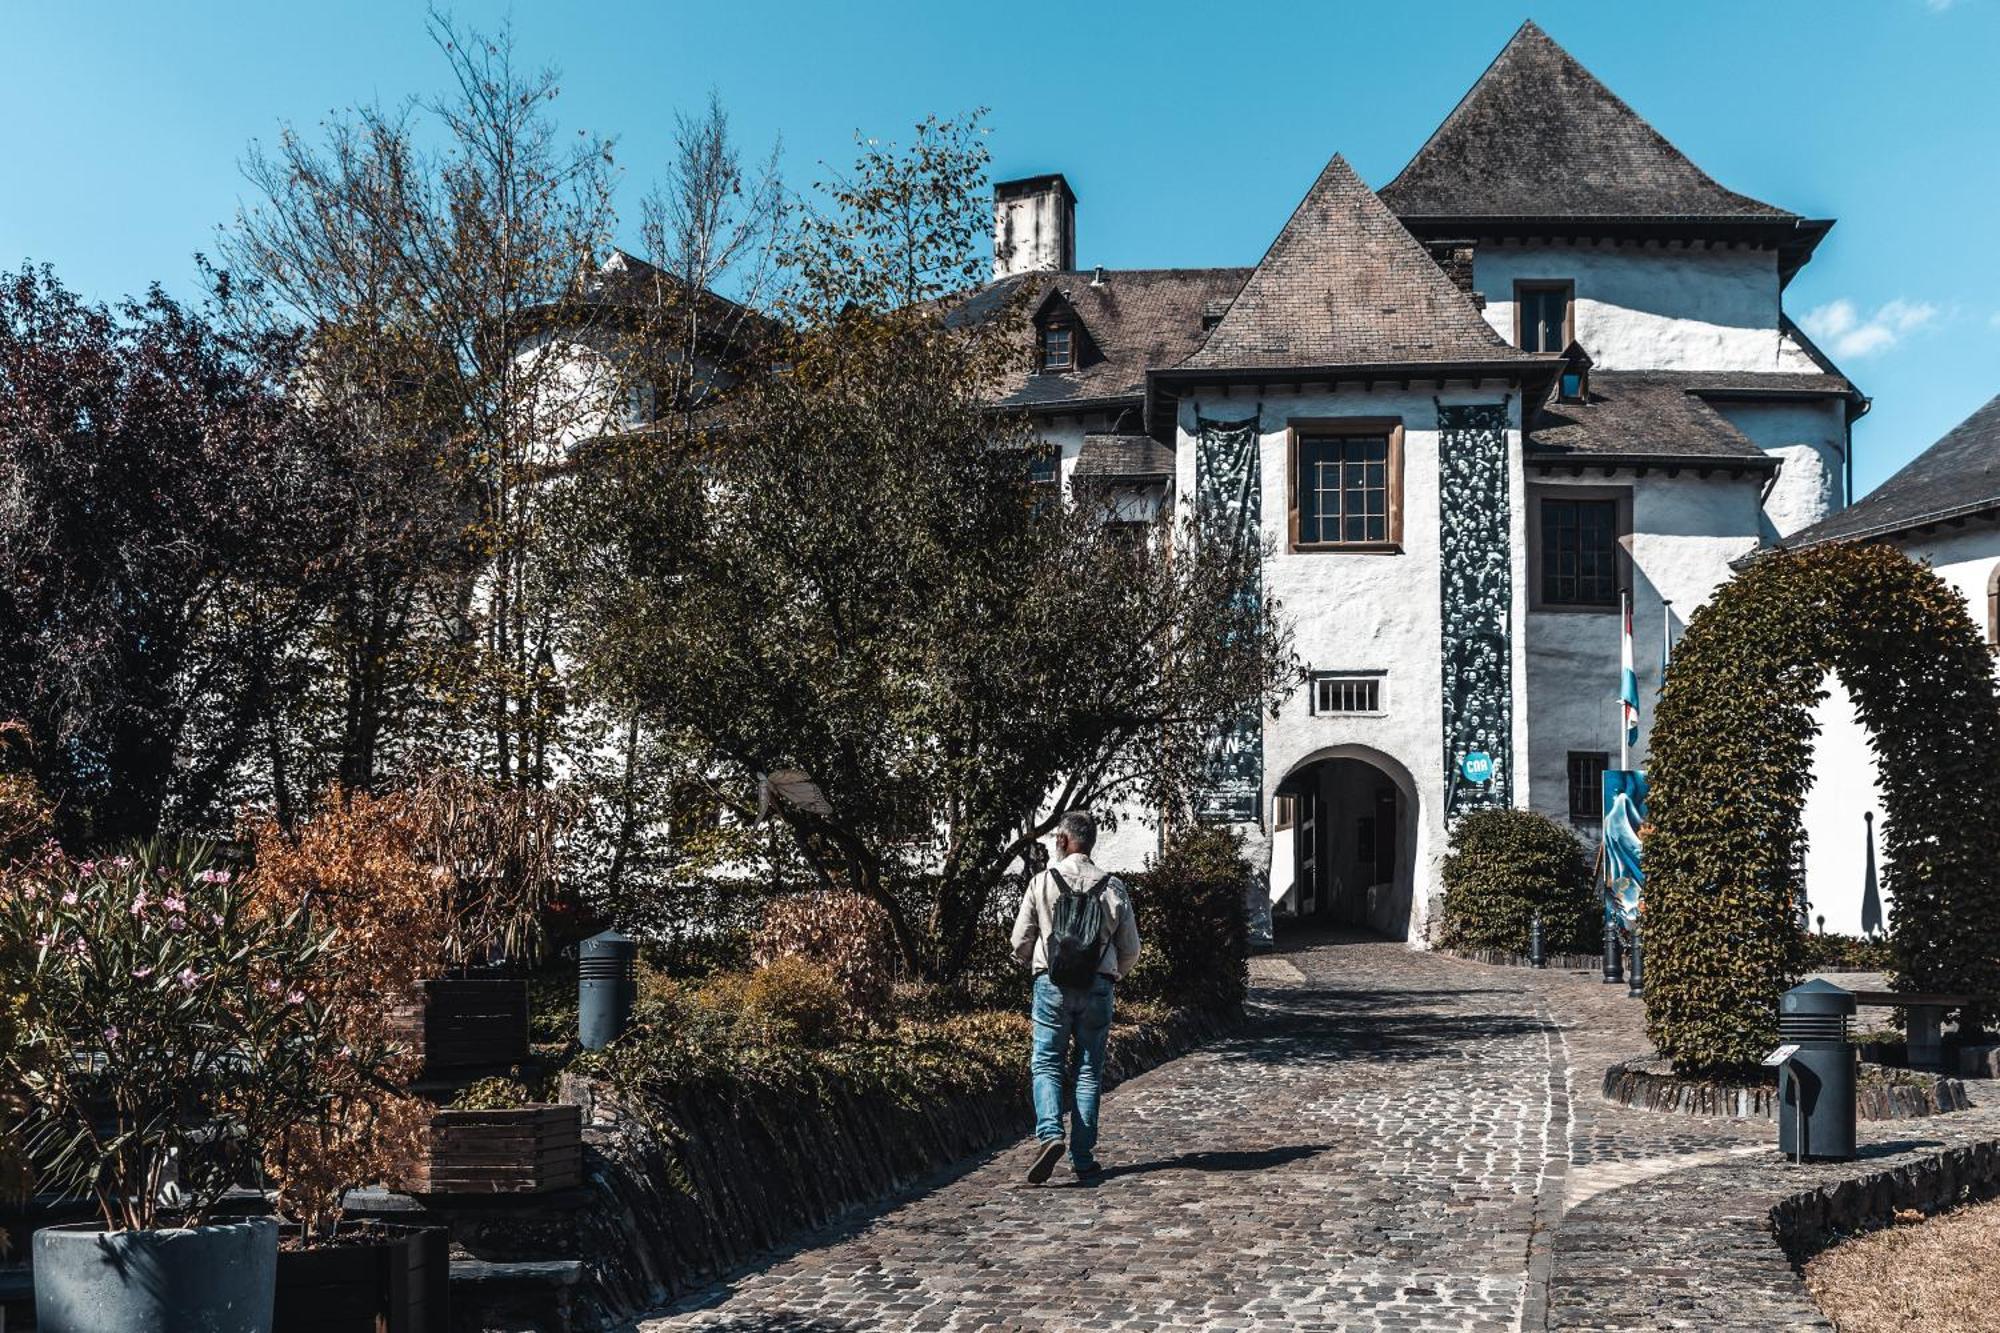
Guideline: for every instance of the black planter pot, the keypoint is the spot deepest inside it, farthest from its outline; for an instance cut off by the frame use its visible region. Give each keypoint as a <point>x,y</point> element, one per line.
<point>212,1279</point>
<point>396,1280</point>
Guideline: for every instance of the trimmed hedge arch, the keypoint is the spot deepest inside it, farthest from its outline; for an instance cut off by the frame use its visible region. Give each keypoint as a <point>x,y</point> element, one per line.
<point>1731,764</point>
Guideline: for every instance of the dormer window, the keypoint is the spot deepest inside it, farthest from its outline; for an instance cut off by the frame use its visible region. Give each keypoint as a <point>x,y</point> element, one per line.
<point>1058,348</point>
<point>1573,385</point>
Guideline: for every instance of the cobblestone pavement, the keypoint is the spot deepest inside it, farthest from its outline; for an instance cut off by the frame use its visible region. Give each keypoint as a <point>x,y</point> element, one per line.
<point>1393,1142</point>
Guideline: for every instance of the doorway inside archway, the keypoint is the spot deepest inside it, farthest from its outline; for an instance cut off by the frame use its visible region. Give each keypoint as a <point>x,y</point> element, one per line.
<point>1350,831</point>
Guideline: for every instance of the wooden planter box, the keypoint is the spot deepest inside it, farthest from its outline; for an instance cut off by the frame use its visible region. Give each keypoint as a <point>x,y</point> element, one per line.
<point>526,1151</point>
<point>464,1023</point>
<point>401,1283</point>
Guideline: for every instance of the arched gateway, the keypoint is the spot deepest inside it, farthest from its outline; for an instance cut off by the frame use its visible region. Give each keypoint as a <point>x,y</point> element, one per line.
<point>1346,840</point>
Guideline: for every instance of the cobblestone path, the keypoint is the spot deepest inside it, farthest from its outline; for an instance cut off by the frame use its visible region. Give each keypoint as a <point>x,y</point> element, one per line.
<point>1389,1144</point>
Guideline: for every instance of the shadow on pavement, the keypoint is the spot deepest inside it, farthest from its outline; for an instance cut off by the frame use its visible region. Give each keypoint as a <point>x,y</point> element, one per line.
<point>1259,1160</point>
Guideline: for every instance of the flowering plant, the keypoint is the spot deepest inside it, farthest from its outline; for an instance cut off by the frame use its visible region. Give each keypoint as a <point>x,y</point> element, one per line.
<point>167,1027</point>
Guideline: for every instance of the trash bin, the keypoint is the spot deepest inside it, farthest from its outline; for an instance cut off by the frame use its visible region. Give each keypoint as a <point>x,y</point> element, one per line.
<point>607,982</point>
<point>1816,1085</point>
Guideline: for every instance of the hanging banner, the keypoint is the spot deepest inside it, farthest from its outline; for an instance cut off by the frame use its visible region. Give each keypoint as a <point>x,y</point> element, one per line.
<point>1477,600</point>
<point>1228,487</point>
<point>1624,817</point>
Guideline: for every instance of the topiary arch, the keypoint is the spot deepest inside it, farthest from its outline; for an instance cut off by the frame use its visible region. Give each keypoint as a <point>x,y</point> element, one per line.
<point>1731,763</point>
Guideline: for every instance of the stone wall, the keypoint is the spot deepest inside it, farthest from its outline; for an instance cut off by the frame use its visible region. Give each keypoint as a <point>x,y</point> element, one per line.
<point>689,1189</point>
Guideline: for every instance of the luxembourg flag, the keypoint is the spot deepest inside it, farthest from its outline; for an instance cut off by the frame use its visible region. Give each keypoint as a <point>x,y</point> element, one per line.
<point>1628,680</point>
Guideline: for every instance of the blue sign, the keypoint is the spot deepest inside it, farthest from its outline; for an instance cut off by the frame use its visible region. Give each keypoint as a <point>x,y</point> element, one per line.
<point>1477,766</point>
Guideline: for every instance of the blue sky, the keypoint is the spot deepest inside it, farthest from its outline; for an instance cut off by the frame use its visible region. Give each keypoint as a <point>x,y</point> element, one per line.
<point>1188,130</point>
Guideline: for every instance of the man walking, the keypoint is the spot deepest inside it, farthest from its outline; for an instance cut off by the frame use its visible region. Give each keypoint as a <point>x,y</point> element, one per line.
<point>1076,930</point>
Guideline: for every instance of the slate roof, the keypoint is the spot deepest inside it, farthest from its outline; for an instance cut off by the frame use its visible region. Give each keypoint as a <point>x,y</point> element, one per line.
<point>1539,136</point>
<point>1652,415</point>
<point>1134,319</point>
<point>1957,477</point>
<point>1344,284</point>
<point>1123,458</point>
<point>625,280</point>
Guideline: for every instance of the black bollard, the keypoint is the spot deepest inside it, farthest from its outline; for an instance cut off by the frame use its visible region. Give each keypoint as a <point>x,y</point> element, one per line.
<point>1614,971</point>
<point>607,983</point>
<point>1537,951</point>
<point>1634,989</point>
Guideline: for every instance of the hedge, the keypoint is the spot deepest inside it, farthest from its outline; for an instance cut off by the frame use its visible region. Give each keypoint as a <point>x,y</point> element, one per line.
<point>1731,763</point>
<point>1505,865</point>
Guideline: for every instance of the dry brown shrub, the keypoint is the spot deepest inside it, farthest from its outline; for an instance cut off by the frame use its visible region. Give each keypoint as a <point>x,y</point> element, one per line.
<point>502,848</point>
<point>1933,1274</point>
<point>845,933</point>
<point>355,865</point>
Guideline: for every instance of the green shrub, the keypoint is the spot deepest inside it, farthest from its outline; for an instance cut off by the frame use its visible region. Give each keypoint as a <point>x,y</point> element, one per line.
<point>1193,934</point>
<point>843,933</point>
<point>1848,953</point>
<point>788,1001</point>
<point>1505,865</point>
<point>502,1092</point>
<point>1732,761</point>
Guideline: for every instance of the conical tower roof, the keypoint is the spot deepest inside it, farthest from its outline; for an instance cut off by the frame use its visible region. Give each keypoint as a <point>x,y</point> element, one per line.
<point>1538,136</point>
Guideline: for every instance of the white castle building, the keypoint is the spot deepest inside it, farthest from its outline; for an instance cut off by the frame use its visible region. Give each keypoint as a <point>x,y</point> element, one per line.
<point>1546,363</point>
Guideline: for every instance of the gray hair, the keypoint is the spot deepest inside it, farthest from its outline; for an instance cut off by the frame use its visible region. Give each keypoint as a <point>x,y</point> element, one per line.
<point>1080,826</point>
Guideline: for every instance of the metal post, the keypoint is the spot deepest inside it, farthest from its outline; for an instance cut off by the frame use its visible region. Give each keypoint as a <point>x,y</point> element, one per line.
<point>1537,952</point>
<point>1614,969</point>
<point>1634,989</point>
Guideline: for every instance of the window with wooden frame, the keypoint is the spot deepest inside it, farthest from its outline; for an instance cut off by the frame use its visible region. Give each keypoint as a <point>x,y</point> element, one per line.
<point>1586,785</point>
<point>1346,483</point>
<point>1576,540</point>
<point>1044,465</point>
<point>1544,316</point>
<point>1058,347</point>
<point>1284,811</point>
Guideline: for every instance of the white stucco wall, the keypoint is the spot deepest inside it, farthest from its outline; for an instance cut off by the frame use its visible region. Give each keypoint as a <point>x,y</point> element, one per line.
<point>1808,437</point>
<point>1686,530</point>
<point>1366,611</point>
<point>1645,307</point>
<point>1846,786</point>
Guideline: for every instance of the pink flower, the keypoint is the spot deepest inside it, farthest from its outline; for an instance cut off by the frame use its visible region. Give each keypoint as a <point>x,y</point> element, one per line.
<point>141,903</point>
<point>69,898</point>
<point>215,919</point>
<point>177,923</point>
<point>271,986</point>
<point>213,877</point>
<point>122,862</point>
<point>174,904</point>
<point>111,1034</point>
<point>296,997</point>
<point>141,973</point>
<point>188,977</point>
<point>86,867</point>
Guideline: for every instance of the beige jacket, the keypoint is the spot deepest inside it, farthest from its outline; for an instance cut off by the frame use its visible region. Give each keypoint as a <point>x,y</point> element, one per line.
<point>1035,920</point>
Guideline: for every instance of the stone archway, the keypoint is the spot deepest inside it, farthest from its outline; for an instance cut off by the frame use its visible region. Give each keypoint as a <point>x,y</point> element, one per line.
<point>1731,761</point>
<point>1347,838</point>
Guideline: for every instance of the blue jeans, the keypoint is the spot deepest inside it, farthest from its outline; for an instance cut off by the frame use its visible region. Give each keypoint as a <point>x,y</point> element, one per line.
<point>1061,1015</point>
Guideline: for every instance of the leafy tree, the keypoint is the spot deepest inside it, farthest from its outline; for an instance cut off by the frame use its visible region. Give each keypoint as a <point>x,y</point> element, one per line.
<point>852,574</point>
<point>440,292</point>
<point>161,512</point>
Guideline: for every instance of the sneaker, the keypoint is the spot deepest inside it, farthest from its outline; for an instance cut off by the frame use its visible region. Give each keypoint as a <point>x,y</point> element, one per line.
<point>1088,1170</point>
<point>1046,1156</point>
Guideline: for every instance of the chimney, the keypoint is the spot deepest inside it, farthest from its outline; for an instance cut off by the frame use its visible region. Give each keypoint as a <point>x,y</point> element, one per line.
<point>1034,226</point>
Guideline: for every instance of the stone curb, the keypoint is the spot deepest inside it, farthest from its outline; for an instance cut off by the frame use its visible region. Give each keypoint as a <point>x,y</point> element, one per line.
<point>1632,1083</point>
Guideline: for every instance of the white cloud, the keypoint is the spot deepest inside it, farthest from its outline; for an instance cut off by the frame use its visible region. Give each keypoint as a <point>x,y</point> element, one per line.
<point>1847,334</point>
<point>1939,6</point>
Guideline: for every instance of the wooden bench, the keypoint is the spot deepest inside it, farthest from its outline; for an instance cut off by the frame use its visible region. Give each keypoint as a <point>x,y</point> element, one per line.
<point>1926,1045</point>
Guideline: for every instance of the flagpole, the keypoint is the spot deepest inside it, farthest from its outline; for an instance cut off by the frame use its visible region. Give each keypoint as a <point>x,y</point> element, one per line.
<point>1624,744</point>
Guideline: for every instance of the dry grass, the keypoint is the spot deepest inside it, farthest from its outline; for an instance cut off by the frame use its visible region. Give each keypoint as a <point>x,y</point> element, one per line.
<point>1932,1274</point>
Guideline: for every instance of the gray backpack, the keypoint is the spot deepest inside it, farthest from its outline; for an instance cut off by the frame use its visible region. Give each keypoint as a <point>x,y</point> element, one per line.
<point>1076,935</point>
